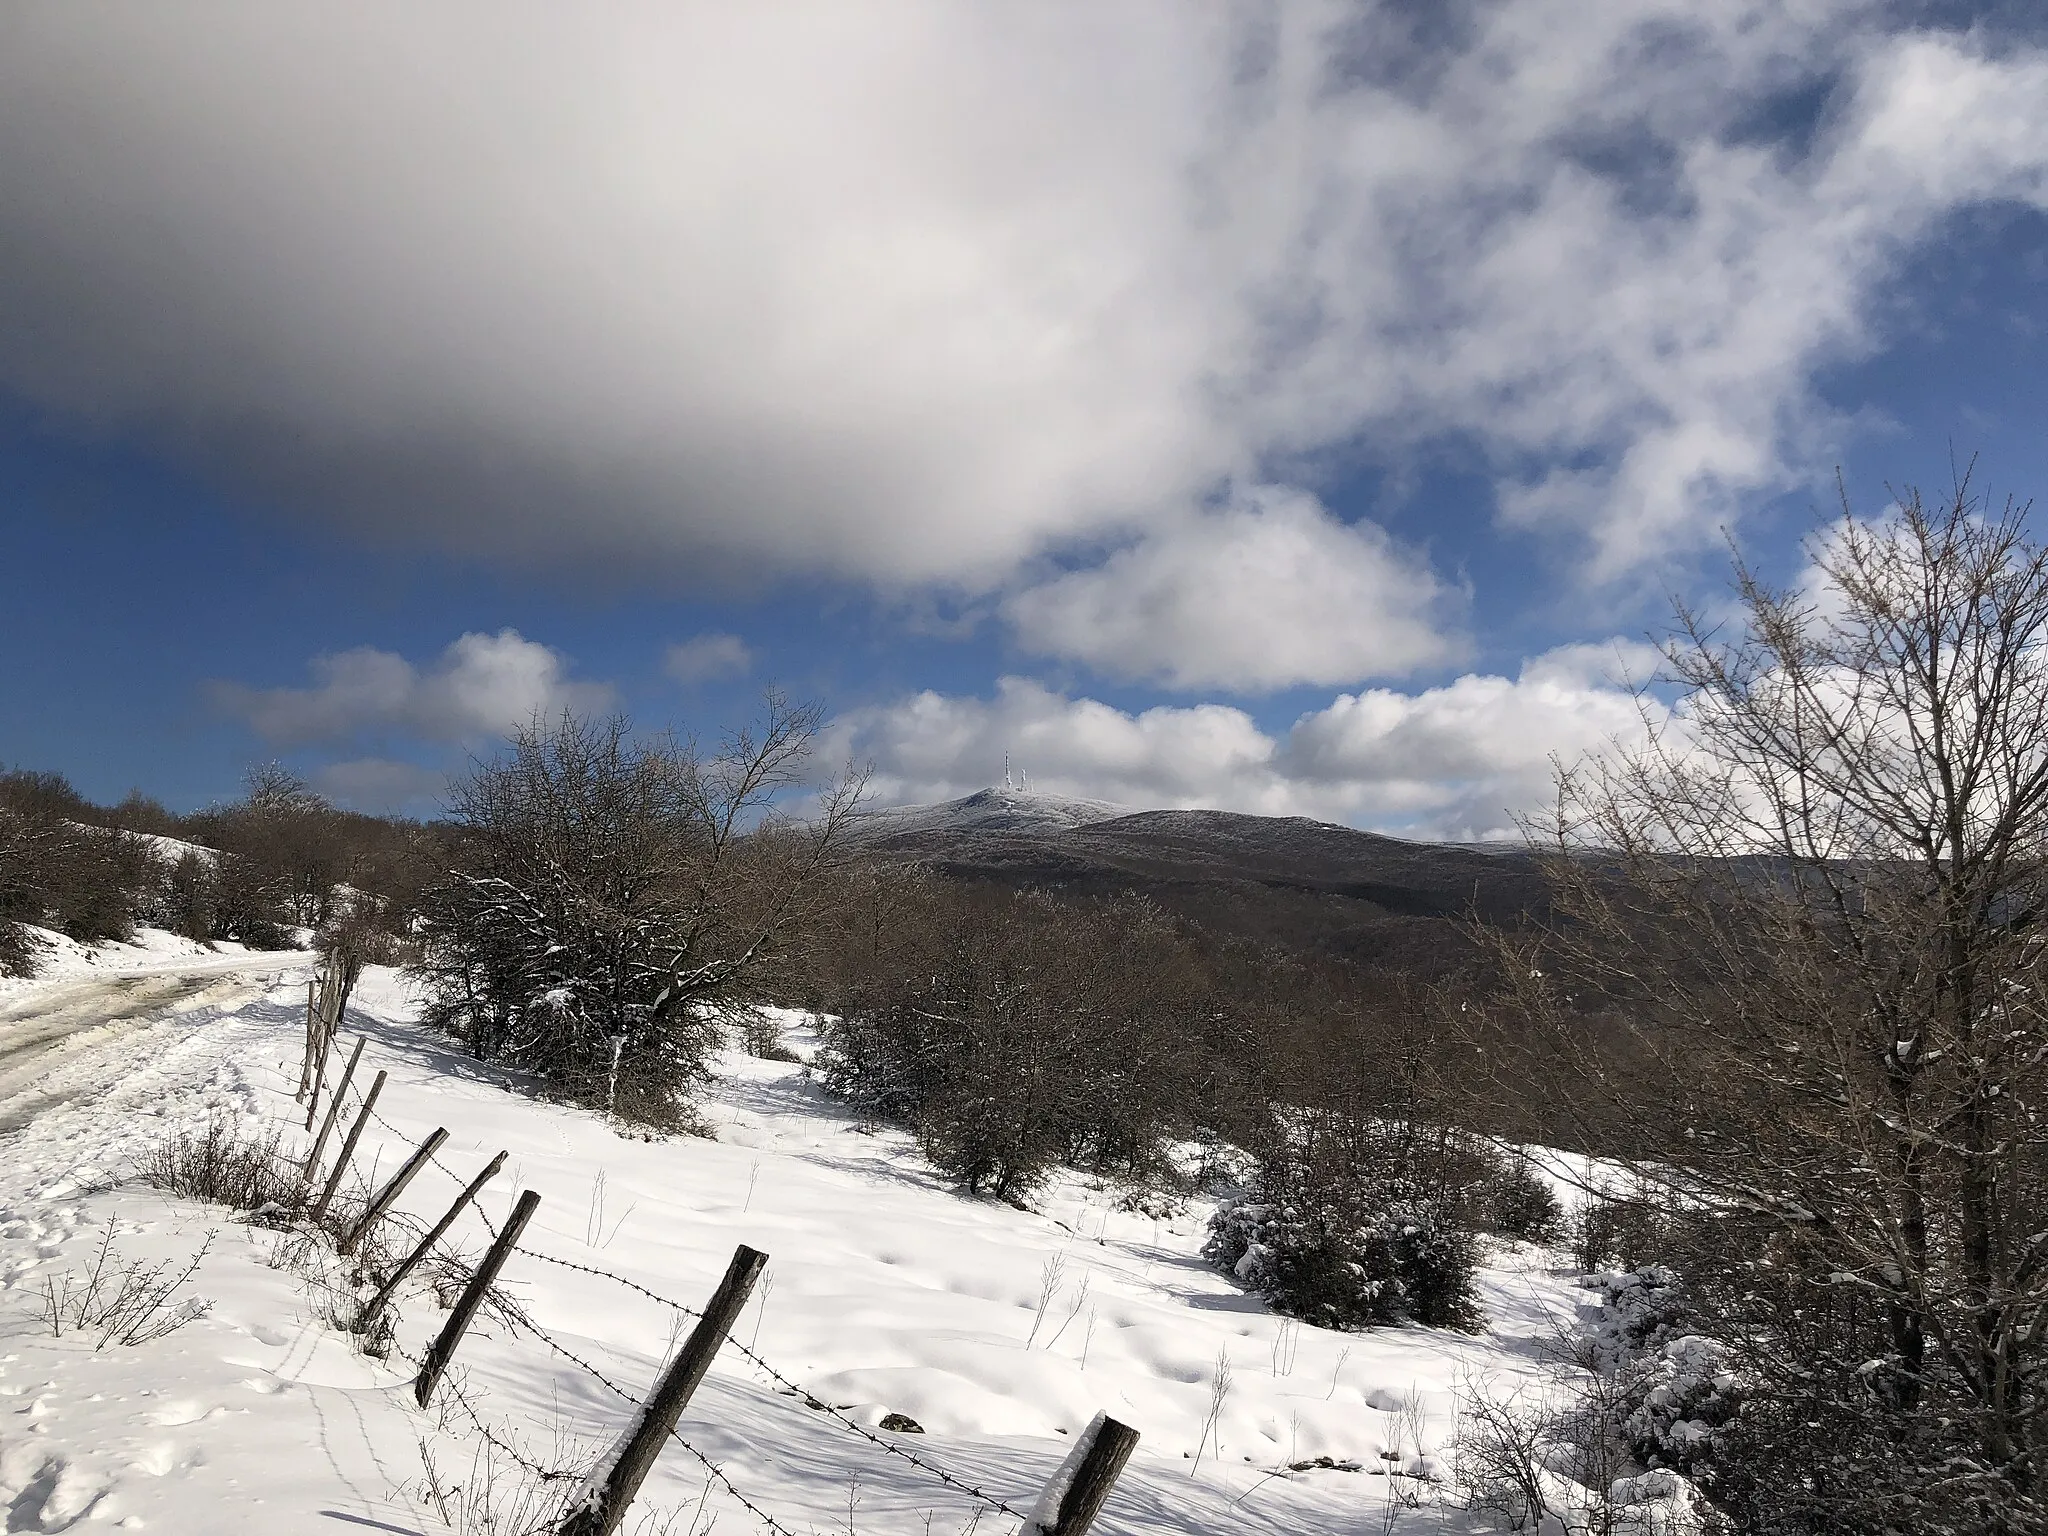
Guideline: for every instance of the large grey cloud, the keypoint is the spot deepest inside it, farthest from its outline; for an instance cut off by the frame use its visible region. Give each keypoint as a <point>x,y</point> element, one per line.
<point>913,291</point>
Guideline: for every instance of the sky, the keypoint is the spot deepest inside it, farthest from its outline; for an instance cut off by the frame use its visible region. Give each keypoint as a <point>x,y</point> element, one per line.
<point>1305,409</point>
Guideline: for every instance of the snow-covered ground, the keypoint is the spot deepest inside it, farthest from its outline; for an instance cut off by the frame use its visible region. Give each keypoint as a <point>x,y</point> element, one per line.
<point>887,1293</point>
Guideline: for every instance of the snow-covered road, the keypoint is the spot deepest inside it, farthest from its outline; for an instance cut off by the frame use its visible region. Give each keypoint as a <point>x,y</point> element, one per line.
<point>72,1039</point>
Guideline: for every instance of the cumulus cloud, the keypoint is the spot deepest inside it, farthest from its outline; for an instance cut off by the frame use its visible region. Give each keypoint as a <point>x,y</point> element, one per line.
<point>1266,593</point>
<point>479,686</point>
<point>916,291</point>
<point>1460,761</point>
<point>706,657</point>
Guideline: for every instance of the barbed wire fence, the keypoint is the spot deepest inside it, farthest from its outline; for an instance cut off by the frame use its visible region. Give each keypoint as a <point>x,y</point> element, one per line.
<point>1067,1506</point>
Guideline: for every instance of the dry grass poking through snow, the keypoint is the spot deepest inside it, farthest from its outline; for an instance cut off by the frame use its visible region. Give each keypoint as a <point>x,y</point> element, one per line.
<point>122,1301</point>
<point>226,1165</point>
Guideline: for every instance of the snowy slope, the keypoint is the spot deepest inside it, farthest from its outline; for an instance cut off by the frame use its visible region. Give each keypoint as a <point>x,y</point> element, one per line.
<point>993,810</point>
<point>887,1293</point>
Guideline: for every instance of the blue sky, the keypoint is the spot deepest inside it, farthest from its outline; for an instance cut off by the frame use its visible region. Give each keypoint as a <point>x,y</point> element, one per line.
<point>1305,410</point>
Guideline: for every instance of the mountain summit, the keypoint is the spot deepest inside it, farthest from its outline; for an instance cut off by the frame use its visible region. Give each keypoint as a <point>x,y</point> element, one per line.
<point>1384,902</point>
<point>997,809</point>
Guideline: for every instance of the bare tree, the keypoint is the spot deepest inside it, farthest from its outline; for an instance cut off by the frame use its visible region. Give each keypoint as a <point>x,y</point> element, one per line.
<point>610,897</point>
<point>1797,983</point>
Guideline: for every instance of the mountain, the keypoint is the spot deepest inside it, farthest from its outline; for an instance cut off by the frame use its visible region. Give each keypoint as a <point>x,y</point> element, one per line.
<point>1385,902</point>
<point>994,810</point>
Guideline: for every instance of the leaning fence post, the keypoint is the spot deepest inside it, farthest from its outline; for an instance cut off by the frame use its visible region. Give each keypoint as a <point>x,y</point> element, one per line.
<point>381,1201</point>
<point>368,1317</point>
<point>1074,1497</point>
<point>604,1507</point>
<point>443,1349</point>
<point>333,1111</point>
<point>348,1149</point>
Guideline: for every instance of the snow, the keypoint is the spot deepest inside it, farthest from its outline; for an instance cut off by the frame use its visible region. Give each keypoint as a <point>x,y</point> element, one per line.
<point>887,1293</point>
<point>152,951</point>
<point>172,849</point>
<point>993,810</point>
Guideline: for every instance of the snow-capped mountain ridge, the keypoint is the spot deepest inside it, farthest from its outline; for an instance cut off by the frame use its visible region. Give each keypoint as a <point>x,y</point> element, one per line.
<point>997,809</point>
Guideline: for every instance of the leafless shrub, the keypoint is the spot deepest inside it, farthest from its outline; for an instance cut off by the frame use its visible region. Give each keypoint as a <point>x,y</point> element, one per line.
<point>1219,1396</point>
<point>762,1036</point>
<point>227,1165</point>
<point>501,1493</point>
<point>122,1301</point>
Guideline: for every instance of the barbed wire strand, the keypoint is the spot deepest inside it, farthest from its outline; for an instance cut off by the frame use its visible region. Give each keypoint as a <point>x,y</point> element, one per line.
<point>810,1398</point>
<point>550,1474</point>
<point>521,1318</point>
<point>454,1389</point>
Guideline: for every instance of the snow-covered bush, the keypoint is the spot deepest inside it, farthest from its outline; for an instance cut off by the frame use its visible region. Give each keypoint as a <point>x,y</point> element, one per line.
<point>1408,1262</point>
<point>1516,1201</point>
<point>612,897</point>
<point>1675,1388</point>
<point>1342,1230</point>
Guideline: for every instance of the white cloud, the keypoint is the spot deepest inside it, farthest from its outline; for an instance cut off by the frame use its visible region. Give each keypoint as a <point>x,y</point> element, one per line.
<point>1453,762</point>
<point>1465,759</point>
<point>1265,593</point>
<point>481,685</point>
<point>915,291</point>
<point>934,747</point>
<point>705,657</point>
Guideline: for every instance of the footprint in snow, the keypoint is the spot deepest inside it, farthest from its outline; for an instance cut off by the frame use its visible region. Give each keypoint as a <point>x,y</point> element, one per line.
<point>55,1499</point>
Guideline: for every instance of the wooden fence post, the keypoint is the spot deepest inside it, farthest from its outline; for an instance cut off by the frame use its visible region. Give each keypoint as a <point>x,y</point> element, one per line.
<point>367,1318</point>
<point>306,1056</point>
<point>348,1149</point>
<point>601,1512</point>
<point>381,1201</point>
<point>443,1349</point>
<point>326,1038</point>
<point>1074,1497</point>
<point>333,1111</point>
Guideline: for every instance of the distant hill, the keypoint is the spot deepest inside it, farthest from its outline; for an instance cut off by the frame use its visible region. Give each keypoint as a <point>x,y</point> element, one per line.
<point>1382,901</point>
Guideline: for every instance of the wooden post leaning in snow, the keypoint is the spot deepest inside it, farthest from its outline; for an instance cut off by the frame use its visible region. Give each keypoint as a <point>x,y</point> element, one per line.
<point>601,1513</point>
<point>382,1200</point>
<point>1074,1497</point>
<point>348,1149</point>
<point>333,1112</point>
<point>367,1318</point>
<point>443,1349</point>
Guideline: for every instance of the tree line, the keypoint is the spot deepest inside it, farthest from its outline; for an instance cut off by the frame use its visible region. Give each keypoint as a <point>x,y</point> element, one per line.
<point>277,860</point>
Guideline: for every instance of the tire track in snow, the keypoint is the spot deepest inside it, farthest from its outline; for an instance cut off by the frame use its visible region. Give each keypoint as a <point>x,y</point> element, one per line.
<point>88,1040</point>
